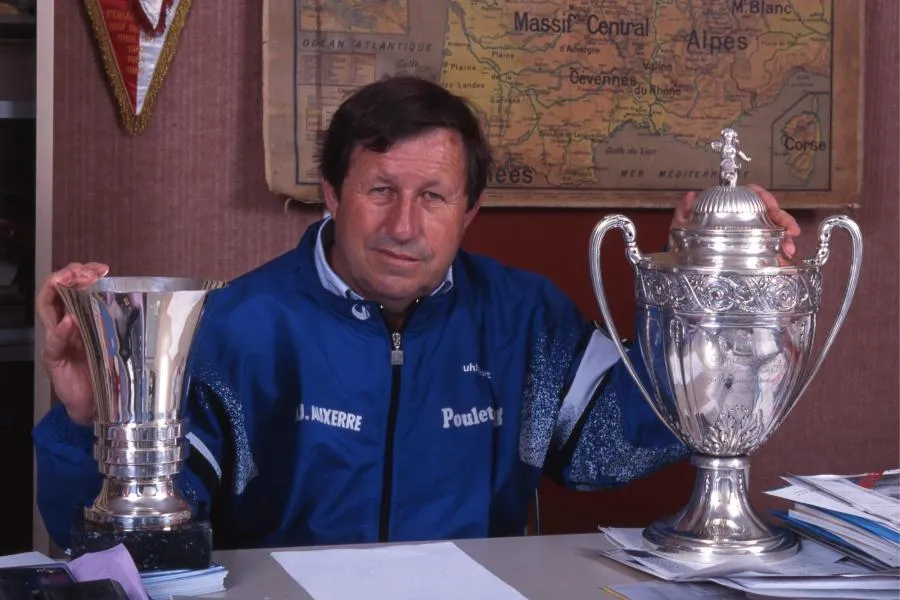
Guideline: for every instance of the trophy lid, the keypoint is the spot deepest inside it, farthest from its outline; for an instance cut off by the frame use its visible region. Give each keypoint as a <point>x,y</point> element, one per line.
<point>729,225</point>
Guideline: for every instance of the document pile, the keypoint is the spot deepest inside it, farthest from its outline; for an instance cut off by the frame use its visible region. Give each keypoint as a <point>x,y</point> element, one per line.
<point>116,564</point>
<point>816,571</point>
<point>857,515</point>
<point>163,585</point>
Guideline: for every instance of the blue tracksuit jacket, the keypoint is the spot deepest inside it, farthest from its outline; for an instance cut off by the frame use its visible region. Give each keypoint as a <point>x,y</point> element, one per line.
<point>311,423</point>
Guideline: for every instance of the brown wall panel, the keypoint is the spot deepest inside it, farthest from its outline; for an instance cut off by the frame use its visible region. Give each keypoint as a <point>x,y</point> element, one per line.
<point>188,197</point>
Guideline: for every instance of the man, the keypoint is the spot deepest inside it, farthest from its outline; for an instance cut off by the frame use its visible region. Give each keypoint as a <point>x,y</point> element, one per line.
<point>377,383</point>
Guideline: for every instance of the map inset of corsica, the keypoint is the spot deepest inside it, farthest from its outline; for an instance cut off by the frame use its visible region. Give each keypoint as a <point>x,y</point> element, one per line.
<point>593,95</point>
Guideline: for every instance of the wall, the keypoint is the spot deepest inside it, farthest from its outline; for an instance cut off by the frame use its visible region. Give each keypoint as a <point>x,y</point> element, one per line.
<point>188,196</point>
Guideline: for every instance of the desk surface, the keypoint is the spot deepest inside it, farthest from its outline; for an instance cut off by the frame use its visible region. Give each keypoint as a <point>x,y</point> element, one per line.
<point>554,567</point>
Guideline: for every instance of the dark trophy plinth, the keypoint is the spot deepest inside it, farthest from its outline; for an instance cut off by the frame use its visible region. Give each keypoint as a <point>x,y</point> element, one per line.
<point>137,334</point>
<point>187,546</point>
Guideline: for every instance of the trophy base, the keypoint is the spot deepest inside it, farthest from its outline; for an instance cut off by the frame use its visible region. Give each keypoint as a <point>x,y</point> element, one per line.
<point>187,546</point>
<point>718,523</point>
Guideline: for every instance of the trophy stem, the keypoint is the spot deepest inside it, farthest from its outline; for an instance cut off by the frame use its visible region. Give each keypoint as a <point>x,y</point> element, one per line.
<point>718,523</point>
<point>139,464</point>
<point>135,504</point>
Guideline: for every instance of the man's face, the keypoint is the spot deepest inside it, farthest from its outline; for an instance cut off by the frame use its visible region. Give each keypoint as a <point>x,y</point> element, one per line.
<point>400,218</point>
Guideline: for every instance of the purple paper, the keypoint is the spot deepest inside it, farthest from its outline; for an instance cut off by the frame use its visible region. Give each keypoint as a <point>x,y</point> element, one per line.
<point>115,564</point>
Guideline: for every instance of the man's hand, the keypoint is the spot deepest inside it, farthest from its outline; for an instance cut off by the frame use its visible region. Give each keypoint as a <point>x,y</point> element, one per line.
<point>63,355</point>
<point>778,215</point>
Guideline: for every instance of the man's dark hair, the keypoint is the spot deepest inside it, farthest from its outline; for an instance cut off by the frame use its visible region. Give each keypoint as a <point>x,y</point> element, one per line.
<point>380,114</point>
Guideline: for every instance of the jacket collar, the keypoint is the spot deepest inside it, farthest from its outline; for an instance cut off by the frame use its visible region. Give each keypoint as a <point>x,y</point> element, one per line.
<point>333,294</point>
<point>332,282</point>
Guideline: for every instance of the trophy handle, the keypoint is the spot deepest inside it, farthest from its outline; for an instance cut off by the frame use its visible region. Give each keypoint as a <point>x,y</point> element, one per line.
<point>634,256</point>
<point>825,229</point>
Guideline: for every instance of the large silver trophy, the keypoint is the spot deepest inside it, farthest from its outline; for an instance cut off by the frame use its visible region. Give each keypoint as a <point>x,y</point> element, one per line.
<point>137,334</point>
<point>726,324</point>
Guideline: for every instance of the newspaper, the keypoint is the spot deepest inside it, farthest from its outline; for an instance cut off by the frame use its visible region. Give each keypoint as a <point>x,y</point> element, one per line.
<point>876,495</point>
<point>858,515</point>
<point>806,494</point>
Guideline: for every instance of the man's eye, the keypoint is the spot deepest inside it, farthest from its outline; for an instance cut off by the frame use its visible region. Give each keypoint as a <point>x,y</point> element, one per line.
<point>433,196</point>
<point>379,190</point>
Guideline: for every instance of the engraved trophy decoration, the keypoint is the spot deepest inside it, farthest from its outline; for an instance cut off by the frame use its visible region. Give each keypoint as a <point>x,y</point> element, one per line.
<point>725,323</point>
<point>137,333</point>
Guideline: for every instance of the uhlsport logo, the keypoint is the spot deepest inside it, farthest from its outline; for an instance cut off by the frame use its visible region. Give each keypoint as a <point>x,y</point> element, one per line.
<point>471,418</point>
<point>474,367</point>
<point>330,417</point>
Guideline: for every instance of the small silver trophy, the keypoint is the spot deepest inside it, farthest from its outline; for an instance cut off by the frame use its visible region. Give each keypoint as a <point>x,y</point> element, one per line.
<point>726,324</point>
<point>137,333</point>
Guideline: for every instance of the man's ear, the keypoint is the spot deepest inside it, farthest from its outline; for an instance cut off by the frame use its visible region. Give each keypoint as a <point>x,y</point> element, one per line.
<point>331,198</point>
<point>470,214</point>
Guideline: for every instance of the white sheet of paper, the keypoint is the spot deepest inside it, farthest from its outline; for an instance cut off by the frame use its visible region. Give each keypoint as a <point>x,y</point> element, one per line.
<point>438,571</point>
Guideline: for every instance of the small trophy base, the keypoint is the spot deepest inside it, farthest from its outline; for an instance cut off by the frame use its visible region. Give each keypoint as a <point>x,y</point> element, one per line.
<point>187,546</point>
<point>718,523</point>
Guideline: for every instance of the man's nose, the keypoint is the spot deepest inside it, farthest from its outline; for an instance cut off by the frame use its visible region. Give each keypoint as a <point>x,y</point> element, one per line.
<point>404,222</point>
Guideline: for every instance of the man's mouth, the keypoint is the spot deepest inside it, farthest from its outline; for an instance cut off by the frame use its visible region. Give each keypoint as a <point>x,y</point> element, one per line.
<point>396,256</point>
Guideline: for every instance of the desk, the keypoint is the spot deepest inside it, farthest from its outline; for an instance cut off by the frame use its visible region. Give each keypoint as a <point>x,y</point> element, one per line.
<point>552,567</point>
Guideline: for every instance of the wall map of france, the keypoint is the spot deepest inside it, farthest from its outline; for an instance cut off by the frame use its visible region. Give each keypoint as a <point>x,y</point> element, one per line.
<point>592,95</point>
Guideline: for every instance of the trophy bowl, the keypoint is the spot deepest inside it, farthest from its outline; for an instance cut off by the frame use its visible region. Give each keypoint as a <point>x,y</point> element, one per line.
<point>725,322</point>
<point>137,333</point>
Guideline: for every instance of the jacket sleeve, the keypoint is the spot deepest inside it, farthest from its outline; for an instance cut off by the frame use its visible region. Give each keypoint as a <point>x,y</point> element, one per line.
<point>603,432</point>
<point>67,474</point>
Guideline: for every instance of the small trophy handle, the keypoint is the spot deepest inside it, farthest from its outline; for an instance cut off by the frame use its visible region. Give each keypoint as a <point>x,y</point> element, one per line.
<point>634,256</point>
<point>825,229</point>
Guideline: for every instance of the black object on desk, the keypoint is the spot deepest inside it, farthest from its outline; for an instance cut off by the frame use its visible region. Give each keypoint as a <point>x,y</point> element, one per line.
<point>25,583</point>
<point>54,582</point>
<point>100,589</point>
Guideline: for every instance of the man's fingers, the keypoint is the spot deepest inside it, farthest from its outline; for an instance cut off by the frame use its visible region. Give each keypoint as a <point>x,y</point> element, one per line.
<point>97,269</point>
<point>79,275</point>
<point>789,248</point>
<point>48,303</point>
<point>683,210</point>
<point>784,218</point>
<point>778,214</point>
<point>47,307</point>
<point>687,204</point>
<point>56,339</point>
<point>85,275</point>
<point>767,196</point>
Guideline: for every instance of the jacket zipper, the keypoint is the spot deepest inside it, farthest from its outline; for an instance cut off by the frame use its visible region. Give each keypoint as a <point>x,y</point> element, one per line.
<point>387,475</point>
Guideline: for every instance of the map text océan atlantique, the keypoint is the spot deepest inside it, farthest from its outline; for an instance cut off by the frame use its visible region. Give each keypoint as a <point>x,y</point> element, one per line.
<point>567,22</point>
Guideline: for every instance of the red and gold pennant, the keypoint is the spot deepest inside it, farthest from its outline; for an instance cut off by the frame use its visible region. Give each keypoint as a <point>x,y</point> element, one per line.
<point>137,41</point>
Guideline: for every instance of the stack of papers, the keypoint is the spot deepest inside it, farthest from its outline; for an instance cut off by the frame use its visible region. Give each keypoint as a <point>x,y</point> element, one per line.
<point>857,515</point>
<point>163,585</point>
<point>817,571</point>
